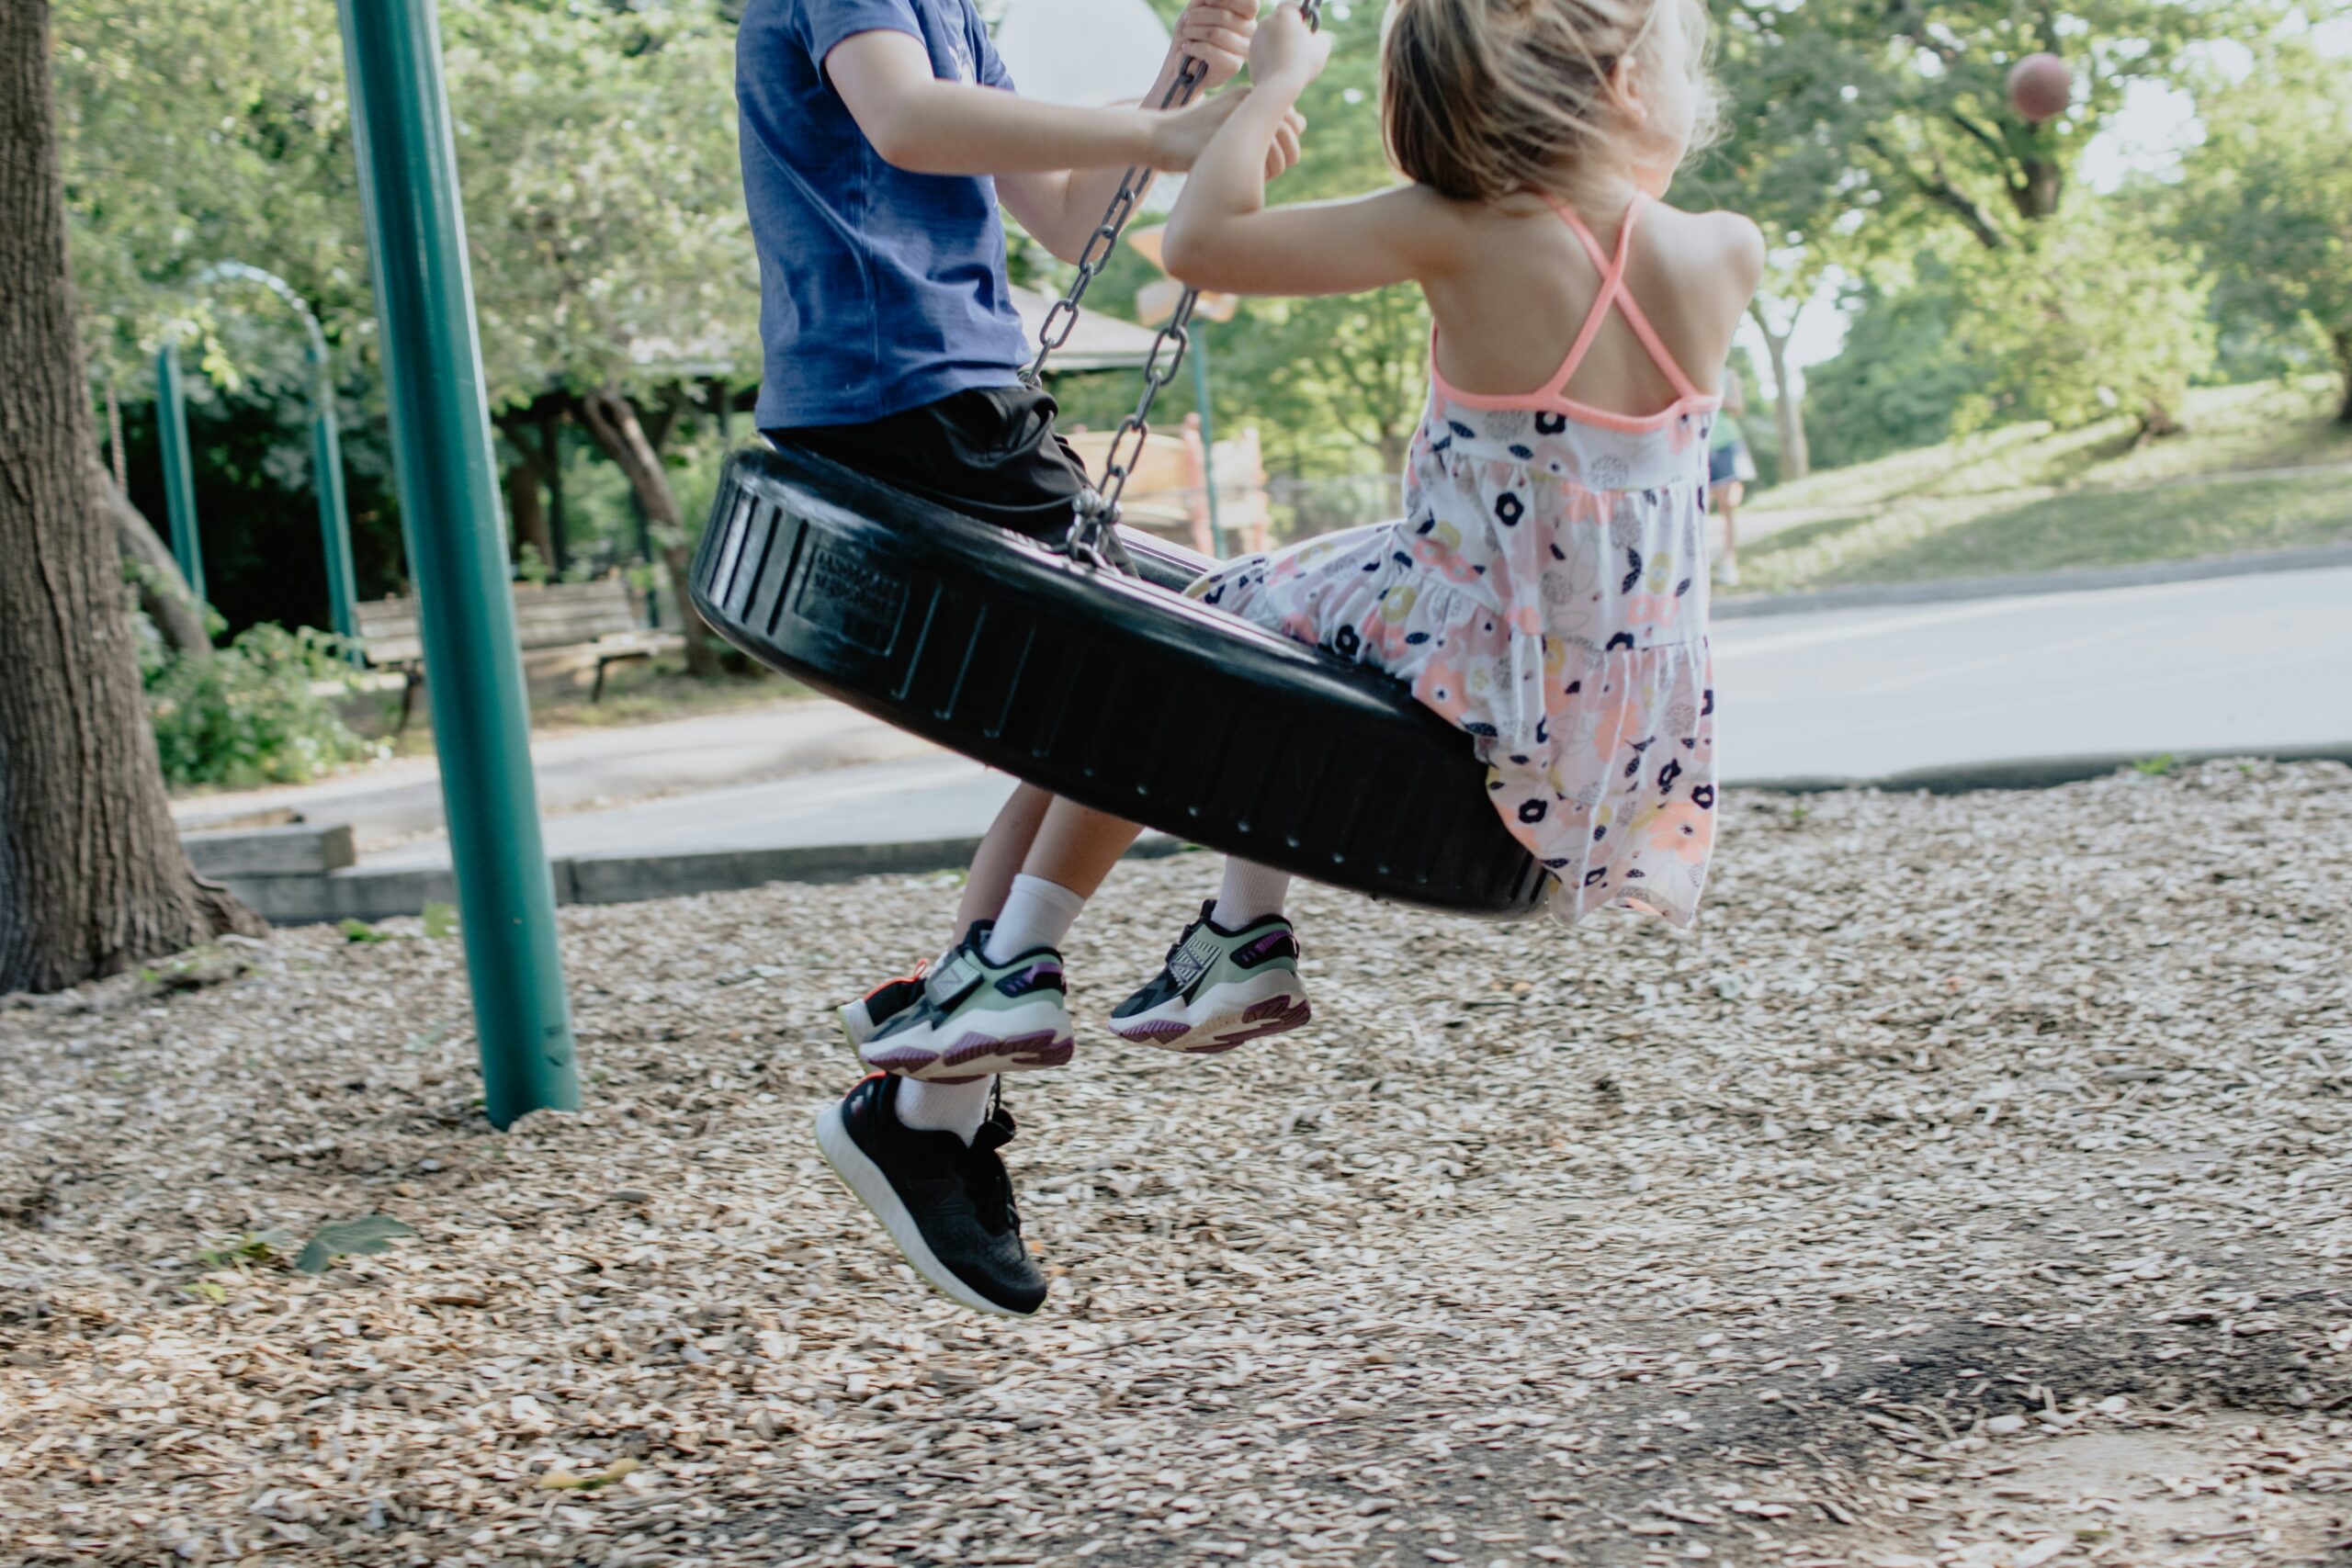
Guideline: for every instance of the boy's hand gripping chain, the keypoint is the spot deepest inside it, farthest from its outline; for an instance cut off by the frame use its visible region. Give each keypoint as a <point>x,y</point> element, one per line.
<point>1097,509</point>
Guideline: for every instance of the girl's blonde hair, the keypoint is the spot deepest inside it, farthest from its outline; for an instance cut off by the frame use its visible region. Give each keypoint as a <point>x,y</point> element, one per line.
<point>1484,98</point>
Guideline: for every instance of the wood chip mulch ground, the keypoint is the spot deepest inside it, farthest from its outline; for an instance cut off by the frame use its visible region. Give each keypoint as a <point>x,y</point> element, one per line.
<point>1971,1188</point>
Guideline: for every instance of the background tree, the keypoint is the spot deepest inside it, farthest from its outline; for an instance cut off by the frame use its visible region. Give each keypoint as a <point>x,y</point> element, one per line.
<point>91,876</point>
<point>610,253</point>
<point>2269,195</point>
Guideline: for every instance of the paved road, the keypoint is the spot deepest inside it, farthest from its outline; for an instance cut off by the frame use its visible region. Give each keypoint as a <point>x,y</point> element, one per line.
<point>2256,662</point>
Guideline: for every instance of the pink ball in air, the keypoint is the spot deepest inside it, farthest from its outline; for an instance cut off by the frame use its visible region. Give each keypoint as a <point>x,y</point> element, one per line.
<point>2041,88</point>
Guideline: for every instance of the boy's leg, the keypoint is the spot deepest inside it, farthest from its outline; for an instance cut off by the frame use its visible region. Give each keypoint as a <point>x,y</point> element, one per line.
<point>991,453</point>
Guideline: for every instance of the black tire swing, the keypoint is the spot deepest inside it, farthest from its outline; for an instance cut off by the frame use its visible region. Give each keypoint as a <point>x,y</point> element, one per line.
<point>1117,693</point>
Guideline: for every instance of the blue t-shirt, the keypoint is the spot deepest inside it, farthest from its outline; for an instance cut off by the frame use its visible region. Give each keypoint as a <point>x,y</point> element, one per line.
<point>879,289</point>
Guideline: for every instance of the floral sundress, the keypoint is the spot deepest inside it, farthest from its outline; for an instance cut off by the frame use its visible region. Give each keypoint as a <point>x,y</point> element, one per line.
<point>1546,591</point>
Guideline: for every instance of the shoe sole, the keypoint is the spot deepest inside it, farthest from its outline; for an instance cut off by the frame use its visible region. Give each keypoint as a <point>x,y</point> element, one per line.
<point>870,1187</point>
<point>857,1022</point>
<point>1027,1038</point>
<point>1221,1017</point>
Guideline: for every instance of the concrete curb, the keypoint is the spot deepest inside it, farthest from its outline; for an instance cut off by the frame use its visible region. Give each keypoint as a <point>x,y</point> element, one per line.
<point>2035,772</point>
<point>2072,580</point>
<point>357,893</point>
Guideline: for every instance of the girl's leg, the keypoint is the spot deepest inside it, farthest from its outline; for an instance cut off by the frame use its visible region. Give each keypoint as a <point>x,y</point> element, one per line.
<point>1000,855</point>
<point>1069,854</point>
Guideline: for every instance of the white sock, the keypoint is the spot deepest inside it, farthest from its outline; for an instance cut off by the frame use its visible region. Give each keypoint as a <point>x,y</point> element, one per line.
<point>1037,913</point>
<point>1251,892</point>
<point>958,1108</point>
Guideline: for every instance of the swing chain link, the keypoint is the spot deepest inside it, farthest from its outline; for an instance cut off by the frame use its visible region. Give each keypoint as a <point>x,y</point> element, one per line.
<point>1098,507</point>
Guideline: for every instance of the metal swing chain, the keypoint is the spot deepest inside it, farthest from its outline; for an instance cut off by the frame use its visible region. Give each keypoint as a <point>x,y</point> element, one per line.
<point>1098,508</point>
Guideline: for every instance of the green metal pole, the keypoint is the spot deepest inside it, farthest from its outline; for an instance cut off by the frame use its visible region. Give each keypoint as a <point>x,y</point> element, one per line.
<point>1208,432</point>
<point>408,186</point>
<point>179,467</point>
<point>335,513</point>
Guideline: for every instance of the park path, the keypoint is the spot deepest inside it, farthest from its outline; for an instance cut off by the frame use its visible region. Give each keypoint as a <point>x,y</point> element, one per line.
<point>586,770</point>
<point>2245,664</point>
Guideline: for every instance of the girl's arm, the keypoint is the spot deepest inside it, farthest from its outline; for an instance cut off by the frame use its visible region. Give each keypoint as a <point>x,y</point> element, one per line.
<point>1223,237</point>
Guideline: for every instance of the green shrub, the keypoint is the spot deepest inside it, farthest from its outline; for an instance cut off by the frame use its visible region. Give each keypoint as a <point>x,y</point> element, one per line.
<point>261,710</point>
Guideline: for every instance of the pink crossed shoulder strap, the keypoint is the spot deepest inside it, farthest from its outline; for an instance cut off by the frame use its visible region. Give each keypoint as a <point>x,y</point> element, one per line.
<point>1614,293</point>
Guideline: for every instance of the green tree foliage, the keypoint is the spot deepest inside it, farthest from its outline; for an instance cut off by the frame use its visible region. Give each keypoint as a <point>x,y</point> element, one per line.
<point>1342,379</point>
<point>1859,132</point>
<point>1902,109</point>
<point>1896,380</point>
<point>595,144</point>
<point>2095,316</point>
<point>2269,195</point>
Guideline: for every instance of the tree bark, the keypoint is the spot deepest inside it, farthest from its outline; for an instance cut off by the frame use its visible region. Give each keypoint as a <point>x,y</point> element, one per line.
<point>163,593</point>
<point>93,879</point>
<point>1788,414</point>
<point>613,421</point>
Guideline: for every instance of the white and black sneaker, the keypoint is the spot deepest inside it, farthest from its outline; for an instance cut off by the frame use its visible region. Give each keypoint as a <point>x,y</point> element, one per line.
<point>1219,989</point>
<point>974,1017</point>
<point>947,1206</point>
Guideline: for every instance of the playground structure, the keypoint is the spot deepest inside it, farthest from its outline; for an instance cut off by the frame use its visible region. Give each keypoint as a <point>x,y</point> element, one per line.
<point>326,449</point>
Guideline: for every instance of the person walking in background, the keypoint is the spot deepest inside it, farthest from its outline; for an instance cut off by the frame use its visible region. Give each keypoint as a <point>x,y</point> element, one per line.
<point>1730,470</point>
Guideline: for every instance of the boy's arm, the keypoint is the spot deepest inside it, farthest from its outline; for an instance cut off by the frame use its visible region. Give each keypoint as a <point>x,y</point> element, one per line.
<point>931,127</point>
<point>1223,237</point>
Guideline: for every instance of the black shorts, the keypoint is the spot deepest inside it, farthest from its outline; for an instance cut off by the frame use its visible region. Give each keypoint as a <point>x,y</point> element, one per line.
<point>991,453</point>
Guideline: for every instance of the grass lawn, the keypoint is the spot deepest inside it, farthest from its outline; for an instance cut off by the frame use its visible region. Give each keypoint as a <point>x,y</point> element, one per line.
<point>2028,498</point>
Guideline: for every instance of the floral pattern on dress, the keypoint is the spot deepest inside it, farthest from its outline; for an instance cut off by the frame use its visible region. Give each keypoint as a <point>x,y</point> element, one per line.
<point>1545,590</point>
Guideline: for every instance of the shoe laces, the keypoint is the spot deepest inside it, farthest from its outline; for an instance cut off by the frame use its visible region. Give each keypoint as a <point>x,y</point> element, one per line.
<point>992,1198</point>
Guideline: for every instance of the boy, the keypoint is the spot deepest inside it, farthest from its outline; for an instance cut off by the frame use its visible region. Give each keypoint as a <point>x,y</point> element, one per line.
<point>878,136</point>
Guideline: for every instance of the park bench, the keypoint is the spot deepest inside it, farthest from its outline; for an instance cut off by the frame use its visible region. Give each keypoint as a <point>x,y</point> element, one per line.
<point>599,616</point>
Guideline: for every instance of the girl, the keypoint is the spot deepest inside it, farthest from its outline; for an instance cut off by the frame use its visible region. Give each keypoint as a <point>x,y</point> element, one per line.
<point>1730,470</point>
<point>1547,589</point>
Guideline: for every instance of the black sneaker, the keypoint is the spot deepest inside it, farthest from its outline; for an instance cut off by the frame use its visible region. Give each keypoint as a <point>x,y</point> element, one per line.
<point>948,1207</point>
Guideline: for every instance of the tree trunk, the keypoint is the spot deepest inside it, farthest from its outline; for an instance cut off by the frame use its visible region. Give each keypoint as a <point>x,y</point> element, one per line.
<point>552,471</point>
<point>2157,422</point>
<point>613,422</point>
<point>163,593</point>
<point>530,518</point>
<point>2343,345</point>
<point>1788,414</point>
<point>114,439</point>
<point>2036,197</point>
<point>93,879</point>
